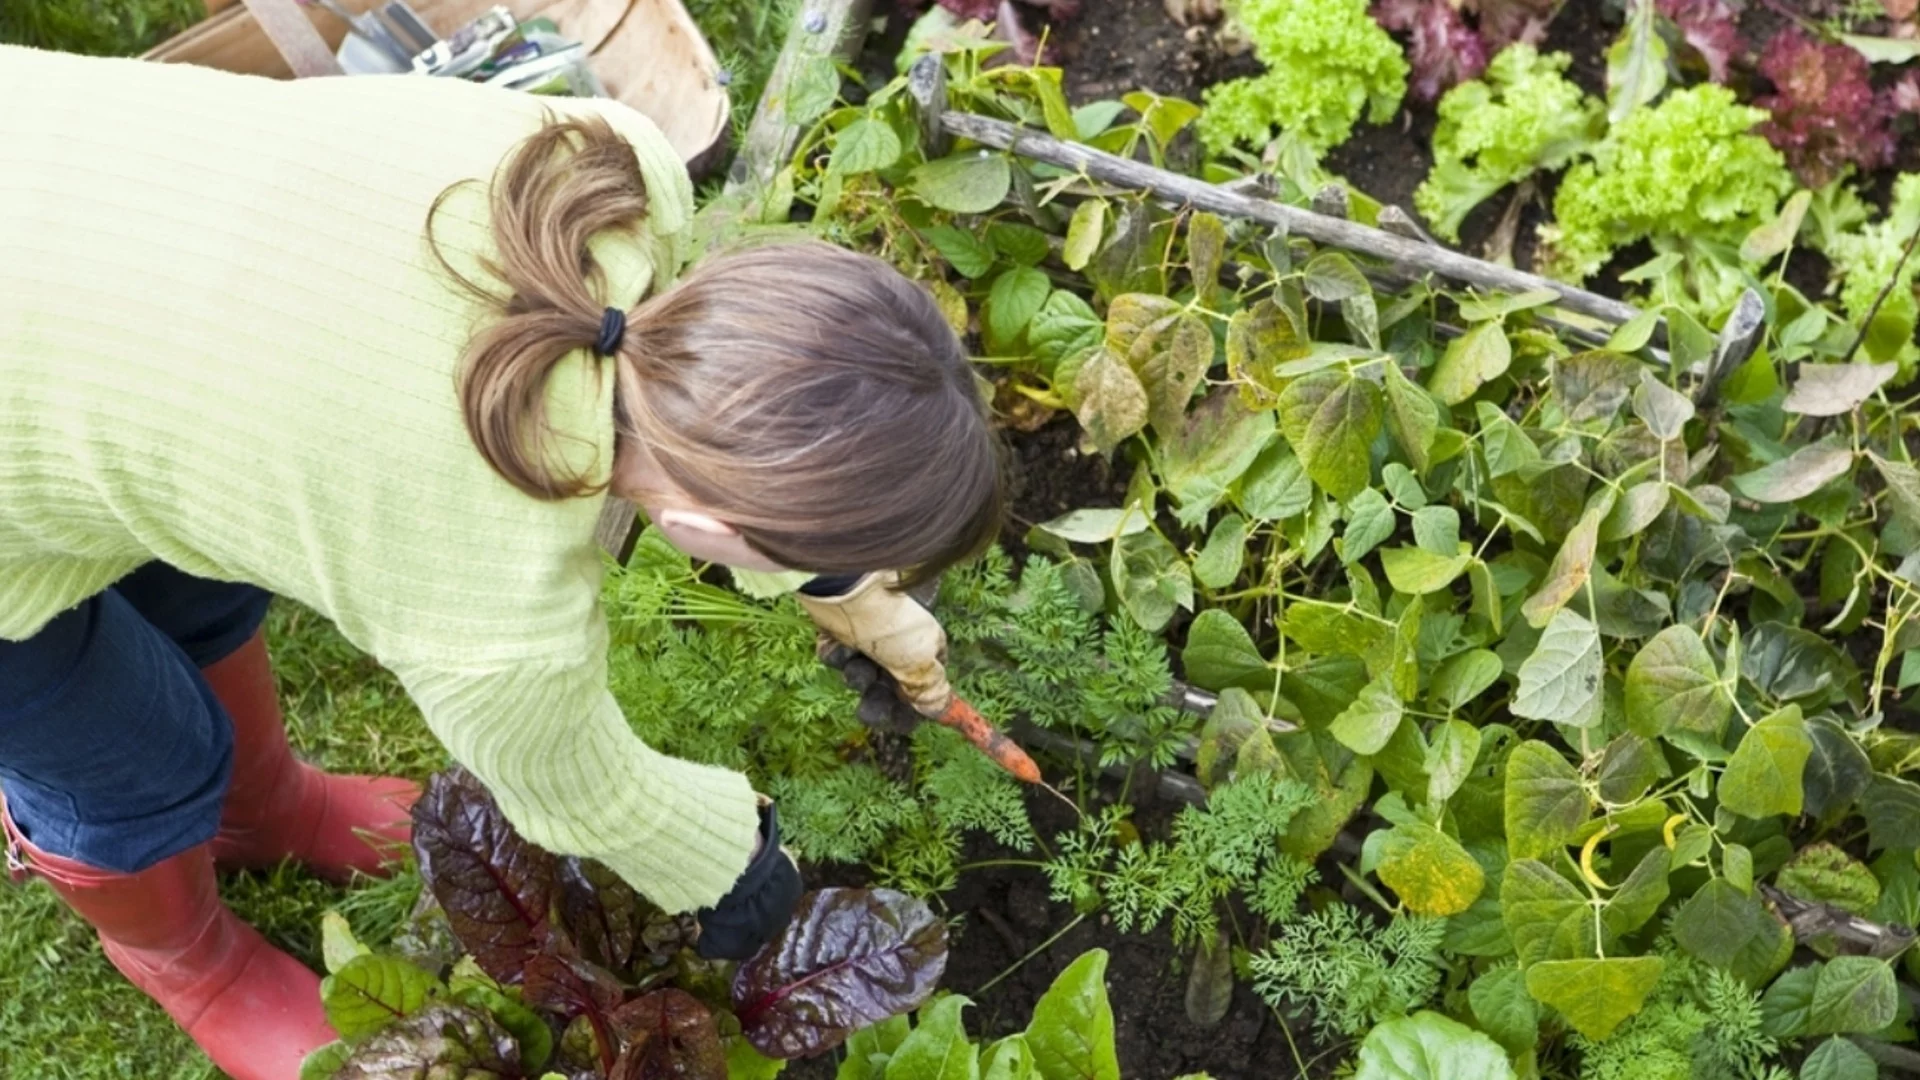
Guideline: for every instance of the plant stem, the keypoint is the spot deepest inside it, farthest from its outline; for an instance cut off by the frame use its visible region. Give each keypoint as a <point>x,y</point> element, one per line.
<point>1031,953</point>
<point>989,864</point>
<point>1893,277</point>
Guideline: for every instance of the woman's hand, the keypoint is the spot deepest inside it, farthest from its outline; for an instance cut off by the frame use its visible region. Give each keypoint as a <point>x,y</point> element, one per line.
<point>893,630</point>
<point>761,902</point>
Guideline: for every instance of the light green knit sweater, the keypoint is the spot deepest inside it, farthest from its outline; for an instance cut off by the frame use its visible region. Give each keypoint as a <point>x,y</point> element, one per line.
<point>224,344</point>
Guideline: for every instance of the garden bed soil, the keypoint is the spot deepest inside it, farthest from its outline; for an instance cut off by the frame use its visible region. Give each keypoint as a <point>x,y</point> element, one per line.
<point>1047,476</point>
<point>1003,914</point>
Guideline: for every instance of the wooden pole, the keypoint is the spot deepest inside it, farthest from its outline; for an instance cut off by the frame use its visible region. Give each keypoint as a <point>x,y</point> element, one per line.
<point>1410,256</point>
<point>823,32</point>
<point>927,87</point>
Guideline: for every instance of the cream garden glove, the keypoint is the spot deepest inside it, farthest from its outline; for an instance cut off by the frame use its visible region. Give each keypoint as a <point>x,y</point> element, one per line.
<point>894,631</point>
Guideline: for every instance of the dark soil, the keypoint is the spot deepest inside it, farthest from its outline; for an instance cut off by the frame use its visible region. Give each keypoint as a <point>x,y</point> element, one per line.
<point>1118,46</point>
<point>1048,476</point>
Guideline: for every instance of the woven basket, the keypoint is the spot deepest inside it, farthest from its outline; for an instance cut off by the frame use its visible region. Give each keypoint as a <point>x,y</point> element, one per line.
<point>649,53</point>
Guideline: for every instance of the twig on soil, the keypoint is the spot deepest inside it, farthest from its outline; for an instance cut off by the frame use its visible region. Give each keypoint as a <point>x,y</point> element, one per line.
<point>1499,245</point>
<point>1031,953</point>
<point>999,927</point>
<point>1409,254</point>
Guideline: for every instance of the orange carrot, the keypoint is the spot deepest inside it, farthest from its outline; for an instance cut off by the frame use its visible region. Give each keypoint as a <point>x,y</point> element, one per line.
<point>990,740</point>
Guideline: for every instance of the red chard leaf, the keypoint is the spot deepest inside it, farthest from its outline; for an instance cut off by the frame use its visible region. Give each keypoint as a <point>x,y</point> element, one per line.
<point>602,913</point>
<point>666,1035</point>
<point>1444,51</point>
<point>571,986</point>
<point>445,1042</point>
<point>497,889</point>
<point>577,990</point>
<point>1826,114</point>
<point>849,958</point>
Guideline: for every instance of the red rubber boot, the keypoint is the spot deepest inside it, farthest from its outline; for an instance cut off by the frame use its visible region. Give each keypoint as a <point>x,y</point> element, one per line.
<point>279,807</point>
<point>252,1008</point>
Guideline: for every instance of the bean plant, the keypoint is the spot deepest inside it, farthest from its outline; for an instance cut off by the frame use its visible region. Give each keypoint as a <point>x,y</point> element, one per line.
<point>1557,663</point>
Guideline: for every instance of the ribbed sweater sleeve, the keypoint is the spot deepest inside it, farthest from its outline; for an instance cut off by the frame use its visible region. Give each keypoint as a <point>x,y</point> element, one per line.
<point>550,743</point>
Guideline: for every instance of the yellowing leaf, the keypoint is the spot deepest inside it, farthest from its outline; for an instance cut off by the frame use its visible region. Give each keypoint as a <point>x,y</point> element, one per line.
<point>1595,995</point>
<point>1331,419</point>
<point>1572,566</point>
<point>1429,870</point>
<point>1472,360</point>
<point>1113,404</point>
<point>1172,370</point>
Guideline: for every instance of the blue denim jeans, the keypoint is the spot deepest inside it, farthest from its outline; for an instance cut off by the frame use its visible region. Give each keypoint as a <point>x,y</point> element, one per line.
<point>113,750</point>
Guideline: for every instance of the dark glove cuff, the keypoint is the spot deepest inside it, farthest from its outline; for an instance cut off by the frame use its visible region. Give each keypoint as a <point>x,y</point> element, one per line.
<point>760,903</point>
<point>827,586</point>
<point>760,870</point>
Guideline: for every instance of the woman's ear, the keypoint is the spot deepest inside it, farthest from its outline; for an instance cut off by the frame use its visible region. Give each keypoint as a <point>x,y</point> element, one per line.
<point>695,521</point>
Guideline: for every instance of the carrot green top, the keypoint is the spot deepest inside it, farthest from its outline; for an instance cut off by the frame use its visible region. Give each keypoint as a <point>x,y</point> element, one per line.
<point>225,344</point>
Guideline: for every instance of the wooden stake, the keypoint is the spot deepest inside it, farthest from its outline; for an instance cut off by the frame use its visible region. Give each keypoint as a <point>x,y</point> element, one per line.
<point>927,87</point>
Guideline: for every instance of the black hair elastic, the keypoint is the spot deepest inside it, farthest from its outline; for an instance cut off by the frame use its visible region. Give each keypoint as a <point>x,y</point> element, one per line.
<point>613,330</point>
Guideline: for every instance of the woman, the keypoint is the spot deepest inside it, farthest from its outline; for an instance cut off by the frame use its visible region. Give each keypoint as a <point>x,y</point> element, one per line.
<point>378,345</point>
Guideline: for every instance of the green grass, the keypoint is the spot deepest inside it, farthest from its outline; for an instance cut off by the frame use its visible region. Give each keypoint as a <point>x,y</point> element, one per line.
<point>67,1015</point>
<point>97,27</point>
<point>746,37</point>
